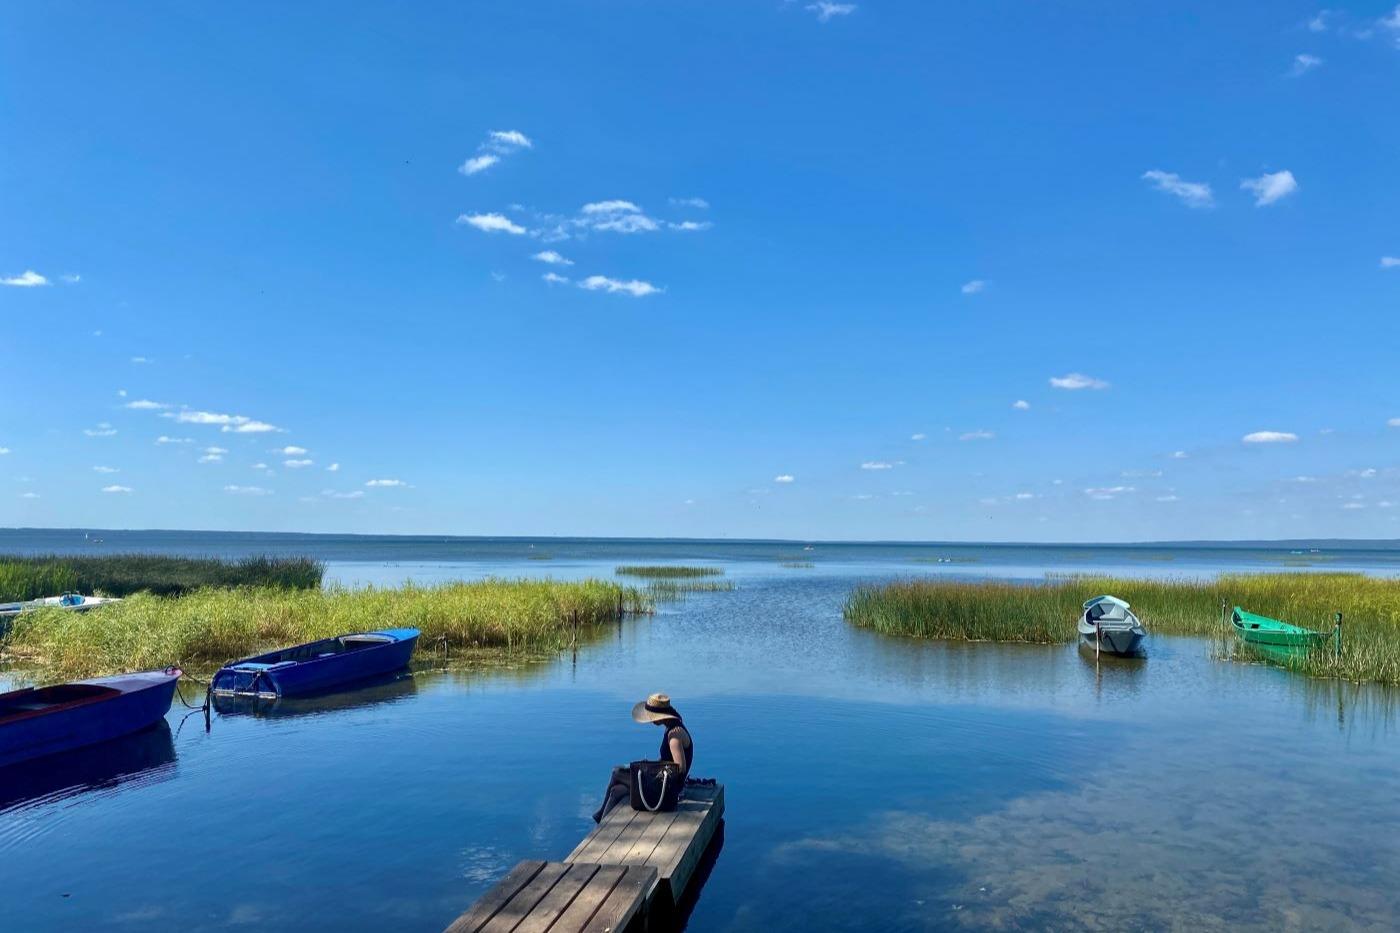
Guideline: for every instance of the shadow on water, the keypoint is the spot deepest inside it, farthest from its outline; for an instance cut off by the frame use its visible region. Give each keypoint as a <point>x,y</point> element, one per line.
<point>146,757</point>
<point>390,688</point>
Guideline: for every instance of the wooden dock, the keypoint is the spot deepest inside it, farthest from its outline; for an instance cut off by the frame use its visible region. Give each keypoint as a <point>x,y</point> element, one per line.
<point>632,865</point>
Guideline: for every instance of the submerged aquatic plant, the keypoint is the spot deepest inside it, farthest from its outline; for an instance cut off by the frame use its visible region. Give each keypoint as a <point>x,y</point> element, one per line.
<point>1046,613</point>
<point>208,627</point>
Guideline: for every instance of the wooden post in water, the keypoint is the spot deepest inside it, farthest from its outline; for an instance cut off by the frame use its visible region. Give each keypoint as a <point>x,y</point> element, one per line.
<point>1337,645</point>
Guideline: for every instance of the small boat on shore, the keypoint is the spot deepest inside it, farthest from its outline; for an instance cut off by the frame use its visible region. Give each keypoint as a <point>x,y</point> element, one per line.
<point>1265,632</point>
<point>317,666</point>
<point>1108,624</point>
<point>73,602</point>
<point>39,721</point>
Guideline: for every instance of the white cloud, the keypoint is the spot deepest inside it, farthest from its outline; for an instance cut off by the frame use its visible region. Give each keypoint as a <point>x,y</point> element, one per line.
<point>509,139</point>
<point>26,279</point>
<point>249,427</point>
<point>478,164</point>
<point>491,223</point>
<point>1304,63</point>
<point>918,437</point>
<point>698,203</point>
<point>1270,437</point>
<point>1077,381</point>
<point>332,494</point>
<point>102,430</point>
<point>247,491</point>
<point>1170,497</point>
<point>291,451</point>
<point>1393,422</point>
<point>1191,193</point>
<point>229,424</point>
<point>627,223</point>
<point>1108,492</point>
<point>1180,455</point>
<point>1353,505</point>
<point>825,10</point>
<point>551,257</point>
<point>145,404</point>
<point>333,468</point>
<point>973,287</point>
<point>635,287</point>
<point>1305,479</point>
<point>116,489</point>
<point>386,483</point>
<point>784,478</point>
<point>297,464</point>
<point>105,469</point>
<point>690,226</point>
<point>1023,496</point>
<point>876,465</point>
<point>1319,22</point>
<point>1390,262</point>
<point>977,436</point>
<point>3,451</point>
<point>259,466</point>
<point>71,278</point>
<point>174,440</point>
<point>29,495</point>
<point>1021,405</point>
<point>554,278</point>
<point>1270,187</point>
<point>140,360</point>
<point>611,207</point>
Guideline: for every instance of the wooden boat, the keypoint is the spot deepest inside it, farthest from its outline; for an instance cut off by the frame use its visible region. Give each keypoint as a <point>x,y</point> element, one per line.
<point>1273,633</point>
<point>38,721</point>
<point>317,666</point>
<point>1108,624</point>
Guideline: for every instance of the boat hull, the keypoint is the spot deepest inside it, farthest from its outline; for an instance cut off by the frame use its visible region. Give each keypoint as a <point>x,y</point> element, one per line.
<point>1123,642</point>
<point>142,700</point>
<point>267,676</point>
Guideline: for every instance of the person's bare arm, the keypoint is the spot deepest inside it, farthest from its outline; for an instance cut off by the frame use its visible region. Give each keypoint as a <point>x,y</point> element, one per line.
<point>678,753</point>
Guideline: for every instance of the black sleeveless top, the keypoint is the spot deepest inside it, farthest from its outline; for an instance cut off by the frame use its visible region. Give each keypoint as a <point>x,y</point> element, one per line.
<point>678,731</point>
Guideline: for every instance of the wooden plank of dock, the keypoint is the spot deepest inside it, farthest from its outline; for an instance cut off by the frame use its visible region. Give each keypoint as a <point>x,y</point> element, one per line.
<point>558,897</point>
<point>672,843</point>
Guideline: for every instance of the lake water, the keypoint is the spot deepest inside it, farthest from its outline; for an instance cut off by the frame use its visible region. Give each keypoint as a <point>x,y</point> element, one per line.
<point>870,782</point>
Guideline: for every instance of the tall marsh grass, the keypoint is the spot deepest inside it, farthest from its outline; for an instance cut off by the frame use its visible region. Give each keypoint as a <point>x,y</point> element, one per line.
<point>1046,613</point>
<point>663,571</point>
<point>123,574</point>
<point>210,626</point>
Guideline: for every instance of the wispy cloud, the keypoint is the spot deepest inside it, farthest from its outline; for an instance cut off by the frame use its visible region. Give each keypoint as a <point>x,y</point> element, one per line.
<point>1304,63</point>
<point>3,451</point>
<point>973,287</point>
<point>784,478</point>
<point>105,469</point>
<point>697,203</point>
<point>174,440</point>
<point>1319,22</point>
<point>229,424</point>
<point>1390,262</point>
<point>634,287</point>
<point>290,450</point>
<point>497,145</point>
<point>71,278</point>
<point>1270,437</point>
<point>918,437</point>
<point>145,404</point>
<point>140,360</point>
<point>1108,492</point>
<point>616,216</point>
<point>1021,405</point>
<point>1179,455</point>
<point>332,494</point>
<point>1270,187</point>
<point>554,278</point>
<point>102,430</point>
<point>1077,381</point>
<point>386,483</point>
<point>977,436</point>
<point>825,10</point>
<point>114,489</point>
<point>26,279</point>
<point>690,226</point>
<point>1191,193</point>
<point>213,455</point>
<point>611,207</point>
<point>333,468</point>
<point>552,257</point>
<point>247,491</point>
<point>492,223</point>
<point>29,495</point>
<point>876,465</point>
<point>297,464</point>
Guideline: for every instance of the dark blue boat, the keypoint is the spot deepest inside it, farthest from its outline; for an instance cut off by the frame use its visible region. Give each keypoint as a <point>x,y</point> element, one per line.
<point>317,666</point>
<point>38,721</point>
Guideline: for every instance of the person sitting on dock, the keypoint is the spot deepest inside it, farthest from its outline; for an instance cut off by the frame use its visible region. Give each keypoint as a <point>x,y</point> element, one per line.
<point>676,746</point>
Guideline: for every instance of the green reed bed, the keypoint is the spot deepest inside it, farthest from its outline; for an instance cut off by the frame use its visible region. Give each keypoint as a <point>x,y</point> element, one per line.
<point>123,574</point>
<point>1046,613</point>
<point>669,591</point>
<point>664,571</point>
<point>210,626</point>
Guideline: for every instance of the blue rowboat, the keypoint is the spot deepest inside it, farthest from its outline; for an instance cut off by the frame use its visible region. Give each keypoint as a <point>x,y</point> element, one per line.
<point>38,721</point>
<point>317,666</point>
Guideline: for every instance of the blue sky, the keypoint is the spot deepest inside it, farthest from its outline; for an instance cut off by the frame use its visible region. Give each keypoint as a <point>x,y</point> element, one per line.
<point>896,270</point>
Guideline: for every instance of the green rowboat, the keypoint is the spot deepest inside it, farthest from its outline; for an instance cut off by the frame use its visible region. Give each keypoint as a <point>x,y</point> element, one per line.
<point>1271,633</point>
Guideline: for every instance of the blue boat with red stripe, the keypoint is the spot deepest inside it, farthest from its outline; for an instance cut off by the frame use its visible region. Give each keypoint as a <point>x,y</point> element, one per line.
<point>40,721</point>
<point>318,666</point>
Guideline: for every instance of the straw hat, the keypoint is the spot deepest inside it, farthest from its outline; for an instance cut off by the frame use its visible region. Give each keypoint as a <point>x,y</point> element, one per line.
<point>655,708</point>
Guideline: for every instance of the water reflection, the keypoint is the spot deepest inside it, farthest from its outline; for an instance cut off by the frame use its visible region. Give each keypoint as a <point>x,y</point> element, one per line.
<point>145,757</point>
<point>390,688</point>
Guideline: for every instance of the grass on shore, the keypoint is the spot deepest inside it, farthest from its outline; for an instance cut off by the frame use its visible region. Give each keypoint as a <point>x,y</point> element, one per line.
<point>664,571</point>
<point>204,629</point>
<point>1046,613</point>
<point>24,578</point>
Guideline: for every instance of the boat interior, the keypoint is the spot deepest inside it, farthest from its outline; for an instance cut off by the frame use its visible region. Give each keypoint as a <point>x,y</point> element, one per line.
<point>22,703</point>
<point>1109,613</point>
<point>324,648</point>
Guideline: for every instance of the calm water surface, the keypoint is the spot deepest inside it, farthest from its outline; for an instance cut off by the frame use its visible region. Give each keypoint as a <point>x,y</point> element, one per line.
<point>871,782</point>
